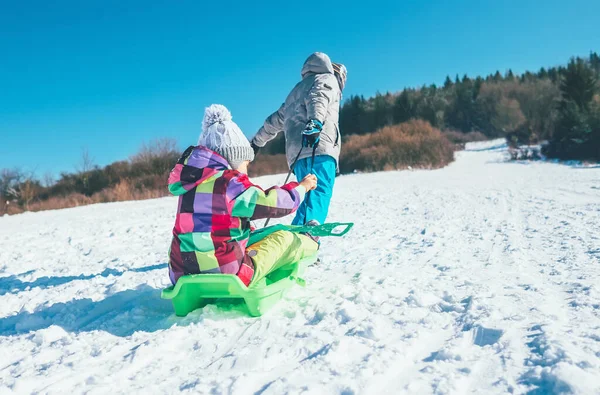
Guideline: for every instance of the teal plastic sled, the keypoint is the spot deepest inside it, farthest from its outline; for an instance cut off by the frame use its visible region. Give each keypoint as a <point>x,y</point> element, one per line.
<point>197,290</point>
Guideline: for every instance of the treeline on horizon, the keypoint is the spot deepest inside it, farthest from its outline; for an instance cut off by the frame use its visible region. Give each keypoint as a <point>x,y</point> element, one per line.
<point>418,127</point>
<point>560,105</point>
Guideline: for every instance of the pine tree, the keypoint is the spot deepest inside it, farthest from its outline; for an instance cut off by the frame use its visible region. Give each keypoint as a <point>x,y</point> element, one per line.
<point>577,134</point>
<point>595,62</point>
<point>578,84</point>
<point>448,83</point>
<point>353,116</point>
<point>404,107</point>
<point>460,112</point>
<point>553,74</point>
<point>477,84</point>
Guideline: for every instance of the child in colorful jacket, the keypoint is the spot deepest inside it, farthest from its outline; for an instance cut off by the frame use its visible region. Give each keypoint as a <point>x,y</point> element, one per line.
<point>217,202</point>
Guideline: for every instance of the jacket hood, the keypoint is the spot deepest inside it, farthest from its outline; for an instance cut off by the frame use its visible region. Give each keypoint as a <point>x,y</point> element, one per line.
<point>196,165</point>
<point>317,63</point>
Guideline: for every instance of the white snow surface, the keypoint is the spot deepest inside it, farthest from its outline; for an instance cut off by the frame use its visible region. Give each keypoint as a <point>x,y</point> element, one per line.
<point>480,277</point>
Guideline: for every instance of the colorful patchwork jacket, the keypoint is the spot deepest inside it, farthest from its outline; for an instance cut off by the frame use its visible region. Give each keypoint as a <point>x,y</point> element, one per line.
<point>216,204</point>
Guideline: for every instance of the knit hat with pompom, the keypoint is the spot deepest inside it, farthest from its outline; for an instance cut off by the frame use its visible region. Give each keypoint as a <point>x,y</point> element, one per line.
<point>222,135</point>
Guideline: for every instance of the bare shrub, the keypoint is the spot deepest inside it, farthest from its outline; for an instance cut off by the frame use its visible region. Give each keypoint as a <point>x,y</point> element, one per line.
<point>18,187</point>
<point>29,189</point>
<point>12,208</point>
<point>143,177</point>
<point>9,183</point>
<point>508,117</point>
<point>156,148</point>
<point>86,163</point>
<point>156,157</point>
<point>127,190</point>
<point>122,191</point>
<point>60,202</point>
<point>48,180</point>
<point>415,143</point>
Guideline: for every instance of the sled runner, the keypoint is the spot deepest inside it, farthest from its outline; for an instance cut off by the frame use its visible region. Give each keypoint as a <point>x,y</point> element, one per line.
<point>196,291</point>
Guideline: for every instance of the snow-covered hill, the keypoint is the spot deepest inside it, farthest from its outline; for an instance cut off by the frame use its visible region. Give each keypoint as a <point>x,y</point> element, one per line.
<point>480,277</point>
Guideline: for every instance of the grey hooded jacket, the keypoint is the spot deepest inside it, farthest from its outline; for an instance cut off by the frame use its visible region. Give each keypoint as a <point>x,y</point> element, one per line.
<point>318,97</point>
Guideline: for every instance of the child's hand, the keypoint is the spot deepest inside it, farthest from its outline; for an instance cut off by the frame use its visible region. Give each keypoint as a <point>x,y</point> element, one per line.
<point>309,182</point>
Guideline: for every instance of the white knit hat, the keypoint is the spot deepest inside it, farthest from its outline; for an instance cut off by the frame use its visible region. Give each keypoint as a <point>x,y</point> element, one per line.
<point>222,135</point>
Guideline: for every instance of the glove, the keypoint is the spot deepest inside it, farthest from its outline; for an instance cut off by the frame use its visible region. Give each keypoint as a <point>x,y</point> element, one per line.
<point>255,148</point>
<point>312,133</point>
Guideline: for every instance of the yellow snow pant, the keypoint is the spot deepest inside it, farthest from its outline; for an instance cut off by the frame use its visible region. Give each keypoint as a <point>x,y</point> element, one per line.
<point>277,250</point>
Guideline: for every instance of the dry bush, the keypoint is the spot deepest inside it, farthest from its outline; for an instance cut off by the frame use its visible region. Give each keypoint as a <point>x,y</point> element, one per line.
<point>118,193</point>
<point>9,207</point>
<point>60,202</point>
<point>143,177</point>
<point>18,187</point>
<point>156,157</point>
<point>150,181</point>
<point>28,191</point>
<point>86,162</point>
<point>151,193</point>
<point>508,117</point>
<point>415,143</point>
<point>13,209</point>
<point>126,190</point>
<point>268,164</point>
<point>158,148</point>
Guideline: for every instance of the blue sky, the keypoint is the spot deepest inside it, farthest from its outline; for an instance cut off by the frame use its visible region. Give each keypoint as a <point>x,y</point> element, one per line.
<point>109,75</point>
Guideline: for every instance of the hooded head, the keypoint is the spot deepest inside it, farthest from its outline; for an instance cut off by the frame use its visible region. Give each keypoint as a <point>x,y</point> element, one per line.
<point>317,63</point>
<point>340,73</point>
<point>222,135</point>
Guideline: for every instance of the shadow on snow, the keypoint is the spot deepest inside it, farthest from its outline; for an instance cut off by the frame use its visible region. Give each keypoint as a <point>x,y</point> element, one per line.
<point>12,284</point>
<point>121,313</point>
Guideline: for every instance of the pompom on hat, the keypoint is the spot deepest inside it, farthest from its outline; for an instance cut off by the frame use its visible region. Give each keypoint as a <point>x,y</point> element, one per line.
<point>222,135</point>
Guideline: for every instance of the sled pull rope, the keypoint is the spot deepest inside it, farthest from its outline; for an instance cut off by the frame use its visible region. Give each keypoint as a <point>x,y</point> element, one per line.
<point>288,178</point>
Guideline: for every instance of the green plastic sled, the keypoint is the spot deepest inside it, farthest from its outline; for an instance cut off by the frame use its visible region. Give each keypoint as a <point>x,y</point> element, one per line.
<point>197,290</point>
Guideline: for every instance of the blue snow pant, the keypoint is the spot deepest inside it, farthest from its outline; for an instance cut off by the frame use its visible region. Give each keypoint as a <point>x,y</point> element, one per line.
<point>316,204</point>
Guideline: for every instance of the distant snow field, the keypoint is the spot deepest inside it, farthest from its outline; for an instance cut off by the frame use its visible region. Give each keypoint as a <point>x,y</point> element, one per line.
<point>480,277</point>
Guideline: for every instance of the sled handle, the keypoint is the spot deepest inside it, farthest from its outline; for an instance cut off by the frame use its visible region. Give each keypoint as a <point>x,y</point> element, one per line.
<point>318,230</point>
<point>330,229</point>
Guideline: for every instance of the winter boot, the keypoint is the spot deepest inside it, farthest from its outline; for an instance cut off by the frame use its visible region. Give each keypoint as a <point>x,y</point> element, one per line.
<point>313,222</point>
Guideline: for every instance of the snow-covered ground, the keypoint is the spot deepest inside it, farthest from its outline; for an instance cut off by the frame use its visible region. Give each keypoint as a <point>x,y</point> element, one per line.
<point>480,277</point>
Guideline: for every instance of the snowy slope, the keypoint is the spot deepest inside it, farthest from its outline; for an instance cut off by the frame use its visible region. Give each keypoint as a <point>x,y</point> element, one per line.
<point>480,277</point>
